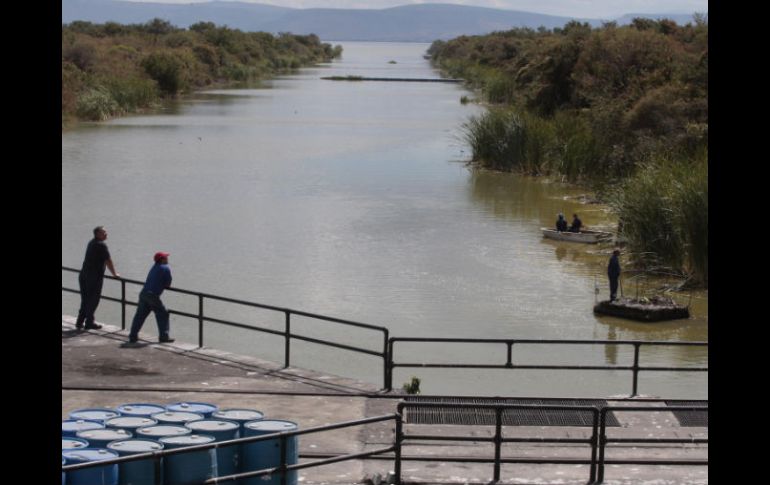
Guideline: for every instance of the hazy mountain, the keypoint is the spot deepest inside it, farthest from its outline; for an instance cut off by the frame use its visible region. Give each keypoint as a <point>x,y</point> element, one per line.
<point>237,15</point>
<point>412,23</point>
<point>426,22</point>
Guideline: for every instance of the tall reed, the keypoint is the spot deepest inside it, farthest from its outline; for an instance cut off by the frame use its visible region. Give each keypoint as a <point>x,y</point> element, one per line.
<point>663,209</point>
<point>497,139</point>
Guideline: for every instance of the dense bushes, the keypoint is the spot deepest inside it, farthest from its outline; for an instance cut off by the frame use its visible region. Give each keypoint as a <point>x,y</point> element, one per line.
<point>630,92</point>
<point>168,69</point>
<point>110,69</point>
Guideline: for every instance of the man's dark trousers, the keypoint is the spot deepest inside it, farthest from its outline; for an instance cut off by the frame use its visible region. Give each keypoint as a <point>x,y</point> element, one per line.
<point>90,294</point>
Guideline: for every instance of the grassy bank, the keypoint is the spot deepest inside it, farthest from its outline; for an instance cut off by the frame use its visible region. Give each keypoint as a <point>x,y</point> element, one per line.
<point>112,69</point>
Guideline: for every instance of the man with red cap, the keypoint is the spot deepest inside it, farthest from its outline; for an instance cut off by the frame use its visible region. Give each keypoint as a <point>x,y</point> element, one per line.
<point>158,279</point>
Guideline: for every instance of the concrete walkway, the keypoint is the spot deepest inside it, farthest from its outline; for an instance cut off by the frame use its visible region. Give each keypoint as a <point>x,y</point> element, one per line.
<point>99,371</point>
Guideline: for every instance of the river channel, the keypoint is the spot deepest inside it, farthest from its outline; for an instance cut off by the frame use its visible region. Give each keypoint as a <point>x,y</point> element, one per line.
<point>354,200</point>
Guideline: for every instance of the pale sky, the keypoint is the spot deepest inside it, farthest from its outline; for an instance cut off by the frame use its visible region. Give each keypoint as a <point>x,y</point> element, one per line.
<point>569,8</point>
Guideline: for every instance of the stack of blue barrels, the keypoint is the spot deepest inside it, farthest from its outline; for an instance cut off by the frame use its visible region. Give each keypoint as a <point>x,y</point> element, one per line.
<point>97,434</point>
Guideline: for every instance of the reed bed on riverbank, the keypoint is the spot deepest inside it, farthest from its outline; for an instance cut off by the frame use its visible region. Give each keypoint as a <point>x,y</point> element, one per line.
<point>664,215</point>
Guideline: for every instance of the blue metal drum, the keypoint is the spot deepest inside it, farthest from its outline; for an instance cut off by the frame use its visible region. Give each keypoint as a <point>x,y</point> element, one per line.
<point>100,475</point>
<point>162,430</point>
<point>70,427</point>
<point>130,423</point>
<point>140,472</point>
<point>193,407</point>
<point>140,409</point>
<point>190,468</point>
<point>94,414</point>
<point>98,438</point>
<point>176,417</point>
<point>73,443</point>
<point>240,416</point>
<point>228,457</point>
<point>267,454</point>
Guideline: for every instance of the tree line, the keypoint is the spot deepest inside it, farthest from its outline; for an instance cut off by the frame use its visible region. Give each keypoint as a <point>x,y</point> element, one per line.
<point>622,110</point>
<point>111,69</point>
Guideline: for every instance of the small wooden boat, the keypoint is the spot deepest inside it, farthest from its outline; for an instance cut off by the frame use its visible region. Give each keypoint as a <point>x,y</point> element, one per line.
<point>654,309</point>
<point>590,237</point>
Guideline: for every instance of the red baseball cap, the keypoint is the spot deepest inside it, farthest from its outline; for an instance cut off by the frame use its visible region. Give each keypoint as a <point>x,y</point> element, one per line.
<point>159,255</point>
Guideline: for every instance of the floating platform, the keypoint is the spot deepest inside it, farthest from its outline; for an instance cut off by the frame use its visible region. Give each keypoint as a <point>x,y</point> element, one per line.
<point>654,309</point>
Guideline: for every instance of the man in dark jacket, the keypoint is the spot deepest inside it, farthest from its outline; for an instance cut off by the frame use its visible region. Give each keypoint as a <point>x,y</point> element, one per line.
<point>576,224</point>
<point>561,223</point>
<point>91,278</point>
<point>613,272</point>
<point>158,279</point>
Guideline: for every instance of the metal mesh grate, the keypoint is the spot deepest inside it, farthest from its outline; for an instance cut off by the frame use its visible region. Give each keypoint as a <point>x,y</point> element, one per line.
<point>510,417</point>
<point>691,418</point>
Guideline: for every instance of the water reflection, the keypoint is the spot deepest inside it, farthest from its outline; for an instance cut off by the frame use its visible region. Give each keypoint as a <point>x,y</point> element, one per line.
<point>534,199</point>
<point>611,351</point>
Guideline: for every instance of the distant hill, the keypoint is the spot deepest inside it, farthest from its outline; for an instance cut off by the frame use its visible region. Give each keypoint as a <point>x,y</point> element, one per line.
<point>680,19</point>
<point>412,23</point>
<point>237,15</point>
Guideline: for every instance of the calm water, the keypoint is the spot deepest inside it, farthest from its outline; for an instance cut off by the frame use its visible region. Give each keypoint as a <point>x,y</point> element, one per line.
<point>353,199</point>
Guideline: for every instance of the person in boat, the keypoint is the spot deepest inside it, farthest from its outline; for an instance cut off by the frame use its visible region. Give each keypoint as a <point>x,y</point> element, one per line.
<point>561,223</point>
<point>576,224</point>
<point>613,273</point>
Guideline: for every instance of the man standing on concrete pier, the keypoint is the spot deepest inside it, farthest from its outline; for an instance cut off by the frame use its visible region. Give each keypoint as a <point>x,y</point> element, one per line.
<point>158,279</point>
<point>91,278</point>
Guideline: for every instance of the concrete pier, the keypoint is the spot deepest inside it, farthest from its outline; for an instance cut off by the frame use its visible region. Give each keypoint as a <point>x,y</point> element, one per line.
<point>98,370</point>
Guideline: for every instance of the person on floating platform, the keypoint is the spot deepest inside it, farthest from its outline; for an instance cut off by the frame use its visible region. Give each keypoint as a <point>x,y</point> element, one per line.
<point>576,224</point>
<point>613,273</point>
<point>561,223</point>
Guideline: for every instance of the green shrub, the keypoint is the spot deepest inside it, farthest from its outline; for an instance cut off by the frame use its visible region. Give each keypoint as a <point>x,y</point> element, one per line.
<point>81,54</point>
<point>132,93</point>
<point>168,69</point>
<point>499,89</point>
<point>97,104</point>
<point>241,72</point>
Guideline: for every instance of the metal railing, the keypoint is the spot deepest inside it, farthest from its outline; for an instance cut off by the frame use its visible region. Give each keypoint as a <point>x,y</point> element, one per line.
<point>596,460</point>
<point>597,441</point>
<point>498,438</point>
<point>389,343</point>
<point>604,440</point>
<point>635,368</point>
<point>287,334</point>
